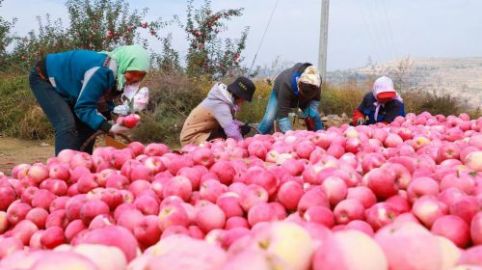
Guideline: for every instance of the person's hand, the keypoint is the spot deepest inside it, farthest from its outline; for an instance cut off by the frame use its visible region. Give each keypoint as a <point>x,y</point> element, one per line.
<point>360,122</point>
<point>239,123</point>
<point>118,129</point>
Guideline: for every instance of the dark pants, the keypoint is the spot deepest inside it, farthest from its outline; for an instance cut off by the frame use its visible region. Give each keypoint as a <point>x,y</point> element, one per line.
<point>220,134</point>
<point>70,132</point>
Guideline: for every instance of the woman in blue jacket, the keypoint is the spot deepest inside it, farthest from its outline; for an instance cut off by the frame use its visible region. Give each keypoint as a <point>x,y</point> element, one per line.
<point>76,90</point>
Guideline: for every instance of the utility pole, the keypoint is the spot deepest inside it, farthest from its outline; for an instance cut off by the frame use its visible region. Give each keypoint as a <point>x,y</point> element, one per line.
<point>325,13</point>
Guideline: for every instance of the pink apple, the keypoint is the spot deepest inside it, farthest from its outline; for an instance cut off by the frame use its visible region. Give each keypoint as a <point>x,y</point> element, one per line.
<point>173,215</point>
<point>234,222</point>
<point>52,237</point>
<point>453,228</point>
<point>335,189</point>
<point>9,245</point>
<point>362,194</point>
<point>43,198</point>
<point>128,218</point>
<point>57,218</point>
<point>209,217</point>
<point>8,196</point>
<point>156,149</point>
<point>38,216</point>
<point>262,177</point>
<point>465,207</point>
<point>252,195</point>
<point>361,226</point>
<point>59,171</point>
<point>341,252</point>
<point>86,183</point>
<point>422,186</point>
<point>148,231</point>
<point>3,222</point>
<point>313,197</point>
<point>38,172</point>
<point>72,206</point>
<point>380,214</point>
<point>56,186</point>
<point>463,182</point>
<point>74,228</point>
<point>470,258</point>
<point>320,215</point>
<point>17,212</point>
<point>474,161</point>
<point>381,182</point>
<point>23,231</point>
<point>230,204</point>
<point>261,212</point>
<point>428,209</point>
<point>289,194</point>
<point>101,221</point>
<point>304,149</point>
<point>409,246</point>
<point>90,209</point>
<point>115,236</point>
<point>178,186</point>
<point>148,205</point>
<point>476,229</point>
<point>224,171</point>
<point>348,210</point>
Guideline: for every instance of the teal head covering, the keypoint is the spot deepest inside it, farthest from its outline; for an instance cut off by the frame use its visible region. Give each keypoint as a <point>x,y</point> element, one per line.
<point>129,58</point>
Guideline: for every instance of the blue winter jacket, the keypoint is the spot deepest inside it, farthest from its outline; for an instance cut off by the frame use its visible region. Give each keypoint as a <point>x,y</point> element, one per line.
<point>82,78</point>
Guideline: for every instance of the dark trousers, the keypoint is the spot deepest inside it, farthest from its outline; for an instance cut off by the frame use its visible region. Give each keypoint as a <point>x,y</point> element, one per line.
<point>70,132</point>
<point>220,134</point>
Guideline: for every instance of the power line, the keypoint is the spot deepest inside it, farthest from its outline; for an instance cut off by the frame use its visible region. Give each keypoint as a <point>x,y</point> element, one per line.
<point>371,34</point>
<point>264,35</point>
<point>390,29</point>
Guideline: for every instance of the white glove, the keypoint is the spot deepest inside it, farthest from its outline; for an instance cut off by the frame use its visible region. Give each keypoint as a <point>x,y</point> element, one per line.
<point>123,110</point>
<point>118,129</point>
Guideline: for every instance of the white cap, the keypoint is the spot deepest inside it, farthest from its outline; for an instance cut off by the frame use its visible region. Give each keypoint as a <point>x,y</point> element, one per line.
<point>383,85</point>
<point>311,76</point>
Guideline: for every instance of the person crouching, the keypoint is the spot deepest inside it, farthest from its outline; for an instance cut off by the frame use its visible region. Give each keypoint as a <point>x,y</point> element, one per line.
<point>214,117</point>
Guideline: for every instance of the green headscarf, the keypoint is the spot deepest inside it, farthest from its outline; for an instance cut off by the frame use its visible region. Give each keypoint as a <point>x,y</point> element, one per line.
<point>129,58</point>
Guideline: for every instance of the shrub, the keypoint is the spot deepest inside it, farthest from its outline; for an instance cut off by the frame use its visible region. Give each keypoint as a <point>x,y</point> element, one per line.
<point>20,115</point>
<point>173,96</point>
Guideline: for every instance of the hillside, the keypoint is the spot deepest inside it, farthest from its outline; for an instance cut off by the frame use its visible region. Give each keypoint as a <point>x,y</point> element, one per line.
<point>460,77</point>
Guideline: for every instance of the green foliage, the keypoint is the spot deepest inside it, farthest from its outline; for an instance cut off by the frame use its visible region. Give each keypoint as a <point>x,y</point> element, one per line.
<point>5,38</point>
<point>206,54</point>
<point>102,24</point>
<point>173,96</point>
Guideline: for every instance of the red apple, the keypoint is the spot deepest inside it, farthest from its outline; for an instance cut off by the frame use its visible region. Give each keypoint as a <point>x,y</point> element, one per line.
<point>209,217</point>
<point>52,237</point>
<point>320,215</point>
<point>453,228</point>
<point>289,194</point>
<point>348,210</point>
<point>476,229</point>
<point>148,231</point>
<point>428,209</point>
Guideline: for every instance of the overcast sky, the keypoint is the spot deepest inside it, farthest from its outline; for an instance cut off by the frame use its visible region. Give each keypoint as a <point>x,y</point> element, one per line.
<point>359,29</point>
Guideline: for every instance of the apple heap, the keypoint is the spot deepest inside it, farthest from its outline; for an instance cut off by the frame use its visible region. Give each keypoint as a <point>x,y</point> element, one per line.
<point>405,195</point>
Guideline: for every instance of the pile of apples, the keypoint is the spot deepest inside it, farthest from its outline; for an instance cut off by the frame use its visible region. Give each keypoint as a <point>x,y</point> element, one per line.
<point>405,195</point>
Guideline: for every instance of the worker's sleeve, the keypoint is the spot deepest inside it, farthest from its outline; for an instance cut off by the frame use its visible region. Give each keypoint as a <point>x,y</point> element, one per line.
<point>223,115</point>
<point>312,112</point>
<point>96,81</point>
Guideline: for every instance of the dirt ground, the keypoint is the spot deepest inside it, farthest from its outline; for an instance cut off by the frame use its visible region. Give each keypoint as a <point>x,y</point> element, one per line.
<point>15,151</point>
